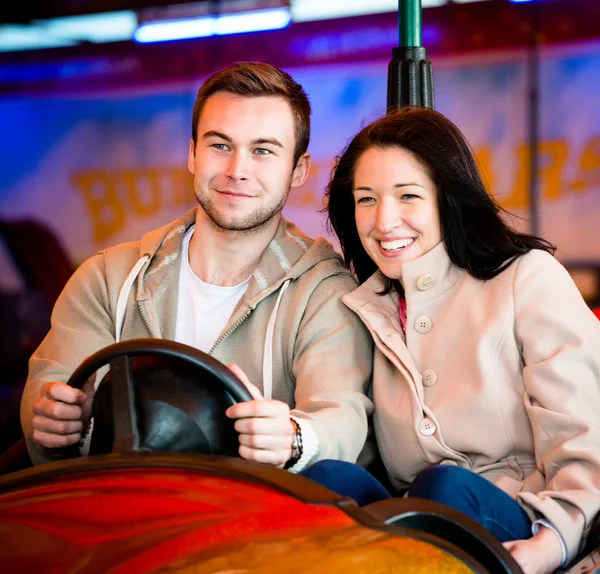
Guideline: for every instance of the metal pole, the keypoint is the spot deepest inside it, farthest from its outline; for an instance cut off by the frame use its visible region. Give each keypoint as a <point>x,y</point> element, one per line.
<point>533,105</point>
<point>409,14</point>
<point>410,75</point>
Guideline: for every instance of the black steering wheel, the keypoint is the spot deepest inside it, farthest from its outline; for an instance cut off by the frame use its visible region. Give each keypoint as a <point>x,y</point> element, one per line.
<point>160,395</point>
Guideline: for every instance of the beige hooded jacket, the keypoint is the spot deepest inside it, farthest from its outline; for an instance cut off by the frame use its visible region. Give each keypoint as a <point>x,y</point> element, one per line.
<point>320,359</point>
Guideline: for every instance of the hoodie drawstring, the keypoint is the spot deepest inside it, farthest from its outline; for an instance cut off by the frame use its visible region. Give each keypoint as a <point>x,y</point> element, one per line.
<point>124,295</point>
<point>268,352</point>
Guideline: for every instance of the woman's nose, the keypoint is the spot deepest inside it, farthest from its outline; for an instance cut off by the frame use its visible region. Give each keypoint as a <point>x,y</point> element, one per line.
<point>388,217</point>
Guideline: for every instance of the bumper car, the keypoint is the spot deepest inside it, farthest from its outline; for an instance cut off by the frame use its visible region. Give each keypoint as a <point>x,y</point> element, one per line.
<point>163,490</point>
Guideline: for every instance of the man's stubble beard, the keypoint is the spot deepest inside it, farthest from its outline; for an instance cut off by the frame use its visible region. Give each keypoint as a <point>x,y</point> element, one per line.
<point>251,223</point>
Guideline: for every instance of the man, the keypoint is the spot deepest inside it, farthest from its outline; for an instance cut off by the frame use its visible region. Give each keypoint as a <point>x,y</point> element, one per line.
<point>232,278</point>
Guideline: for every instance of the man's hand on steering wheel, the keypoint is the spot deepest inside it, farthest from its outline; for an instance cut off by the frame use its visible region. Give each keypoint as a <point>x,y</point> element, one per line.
<point>266,431</point>
<point>61,412</point>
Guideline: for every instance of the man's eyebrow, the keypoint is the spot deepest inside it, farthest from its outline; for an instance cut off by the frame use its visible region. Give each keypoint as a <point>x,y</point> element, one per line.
<point>272,141</point>
<point>215,134</point>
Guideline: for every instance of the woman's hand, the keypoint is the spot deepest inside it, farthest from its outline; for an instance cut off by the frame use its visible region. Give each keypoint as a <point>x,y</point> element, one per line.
<point>266,431</point>
<point>541,554</point>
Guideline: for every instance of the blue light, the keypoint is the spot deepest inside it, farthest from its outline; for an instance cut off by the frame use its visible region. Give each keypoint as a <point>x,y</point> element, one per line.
<point>220,25</point>
<point>68,31</point>
<point>174,30</point>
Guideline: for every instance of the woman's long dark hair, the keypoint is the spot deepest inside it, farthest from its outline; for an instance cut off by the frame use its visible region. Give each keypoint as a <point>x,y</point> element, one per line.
<point>476,237</point>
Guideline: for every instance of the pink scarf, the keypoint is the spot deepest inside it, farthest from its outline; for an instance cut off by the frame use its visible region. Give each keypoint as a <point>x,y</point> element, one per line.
<point>402,313</point>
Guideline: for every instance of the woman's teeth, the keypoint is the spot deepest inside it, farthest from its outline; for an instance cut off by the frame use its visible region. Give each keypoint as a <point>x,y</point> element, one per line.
<point>395,245</point>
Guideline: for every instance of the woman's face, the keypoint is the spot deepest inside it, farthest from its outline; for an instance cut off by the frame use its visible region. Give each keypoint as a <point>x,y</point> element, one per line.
<point>395,207</point>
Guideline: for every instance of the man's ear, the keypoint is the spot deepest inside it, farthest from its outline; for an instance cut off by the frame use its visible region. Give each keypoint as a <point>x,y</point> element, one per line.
<point>302,170</point>
<point>192,157</point>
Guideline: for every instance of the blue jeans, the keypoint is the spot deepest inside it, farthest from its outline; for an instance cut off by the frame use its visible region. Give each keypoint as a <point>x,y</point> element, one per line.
<point>453,486</point>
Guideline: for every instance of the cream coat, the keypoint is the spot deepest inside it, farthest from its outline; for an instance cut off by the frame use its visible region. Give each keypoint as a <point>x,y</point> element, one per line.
<point>501,377</point>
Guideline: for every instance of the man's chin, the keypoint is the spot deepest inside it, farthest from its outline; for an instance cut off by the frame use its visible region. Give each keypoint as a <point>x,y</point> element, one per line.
<point>234,220</point>
<point>242,225</point>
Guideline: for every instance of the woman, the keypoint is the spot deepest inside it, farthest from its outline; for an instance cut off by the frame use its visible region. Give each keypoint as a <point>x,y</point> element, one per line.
<point>487,366</point>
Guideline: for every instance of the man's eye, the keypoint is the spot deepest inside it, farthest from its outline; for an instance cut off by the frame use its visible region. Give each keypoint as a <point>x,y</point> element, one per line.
<point>262,151</point>
<point>220,146</point>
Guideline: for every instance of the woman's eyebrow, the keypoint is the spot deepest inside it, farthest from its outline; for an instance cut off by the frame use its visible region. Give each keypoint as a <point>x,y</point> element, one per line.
<point>397,186</point>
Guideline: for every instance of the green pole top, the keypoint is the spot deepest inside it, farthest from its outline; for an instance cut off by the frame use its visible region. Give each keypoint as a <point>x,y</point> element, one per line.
<point>409,14</point>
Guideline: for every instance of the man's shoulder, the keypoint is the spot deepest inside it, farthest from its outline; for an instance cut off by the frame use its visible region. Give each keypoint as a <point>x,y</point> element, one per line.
<point>106,268</point>
<point>314,256</point>
<point>122,254</point>
<point>127,253</point>
<point>322,271</point>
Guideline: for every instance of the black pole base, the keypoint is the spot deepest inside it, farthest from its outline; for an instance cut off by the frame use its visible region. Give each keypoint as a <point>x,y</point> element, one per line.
<point>410,79</point>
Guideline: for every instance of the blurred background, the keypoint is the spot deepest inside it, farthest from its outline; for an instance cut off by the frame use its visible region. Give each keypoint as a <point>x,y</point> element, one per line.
<point>95,120</point>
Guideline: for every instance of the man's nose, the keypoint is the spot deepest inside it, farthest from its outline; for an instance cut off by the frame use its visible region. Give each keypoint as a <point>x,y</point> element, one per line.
<point>238,167</point>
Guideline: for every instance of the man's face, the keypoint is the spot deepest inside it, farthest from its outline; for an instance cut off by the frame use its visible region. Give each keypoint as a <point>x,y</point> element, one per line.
<point>243,162</point>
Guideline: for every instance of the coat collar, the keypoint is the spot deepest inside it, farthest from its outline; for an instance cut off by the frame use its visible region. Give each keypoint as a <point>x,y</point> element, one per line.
<point>423,279</point>
<point>380,315</point>
<point>429,276</point>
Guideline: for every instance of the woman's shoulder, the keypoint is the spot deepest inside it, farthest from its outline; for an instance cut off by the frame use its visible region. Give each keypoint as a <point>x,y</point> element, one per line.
<point>540,257</point>
<point>538,277</point>
<point>536,263</point>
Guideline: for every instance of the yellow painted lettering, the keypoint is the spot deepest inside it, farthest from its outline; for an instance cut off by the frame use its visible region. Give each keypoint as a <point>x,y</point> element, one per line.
<point>519,197</point>
<point>181,183</point>
<point>99,192</point>
<point>143,190</point>
<point>484,159</point>
<point>553,157</point>
<point>589,166</point>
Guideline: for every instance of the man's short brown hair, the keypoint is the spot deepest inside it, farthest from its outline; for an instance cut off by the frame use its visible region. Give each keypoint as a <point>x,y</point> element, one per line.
<point>255,79</point>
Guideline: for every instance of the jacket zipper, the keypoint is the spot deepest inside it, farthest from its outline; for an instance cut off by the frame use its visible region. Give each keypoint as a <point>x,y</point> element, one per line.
<point>146,321</point>
<point>223,337</point>
<point>233,328</point>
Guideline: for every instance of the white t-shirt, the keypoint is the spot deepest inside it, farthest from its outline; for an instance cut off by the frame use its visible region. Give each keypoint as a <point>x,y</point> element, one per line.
<point>202,309</point>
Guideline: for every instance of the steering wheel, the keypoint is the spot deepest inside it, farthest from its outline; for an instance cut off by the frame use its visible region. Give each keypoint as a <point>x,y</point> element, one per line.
<point>160,395</point>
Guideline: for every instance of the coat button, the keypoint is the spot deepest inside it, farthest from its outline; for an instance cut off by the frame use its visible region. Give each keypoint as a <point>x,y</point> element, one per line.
<point>425,282</point>
<point>423,325</point>
<point>429,377</point>
<point>426,427</point>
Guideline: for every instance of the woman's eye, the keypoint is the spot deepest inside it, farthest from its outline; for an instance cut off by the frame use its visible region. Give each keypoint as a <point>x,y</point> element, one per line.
<point>409,196</point>
<point>365,200</point>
